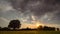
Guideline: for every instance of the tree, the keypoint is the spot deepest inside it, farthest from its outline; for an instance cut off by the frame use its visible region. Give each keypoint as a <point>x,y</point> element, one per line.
<point>57,29</point>
<point>0,28</point>
<point>46,28</point>
<point>40,27</point>
<point>14,24</point>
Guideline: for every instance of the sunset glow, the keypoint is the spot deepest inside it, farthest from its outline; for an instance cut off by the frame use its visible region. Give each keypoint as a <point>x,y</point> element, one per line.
<point>37,24</point>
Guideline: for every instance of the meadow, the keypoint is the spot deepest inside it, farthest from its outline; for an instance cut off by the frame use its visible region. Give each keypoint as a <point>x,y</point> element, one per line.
<point>29,32</point>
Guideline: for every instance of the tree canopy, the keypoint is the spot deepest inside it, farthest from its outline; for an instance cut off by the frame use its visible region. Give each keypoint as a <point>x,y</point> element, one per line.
<point>14,24</point>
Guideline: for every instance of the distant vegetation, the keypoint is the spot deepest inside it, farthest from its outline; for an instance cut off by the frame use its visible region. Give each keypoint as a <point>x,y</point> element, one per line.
<point>46,28</point>
<point>14,25</point>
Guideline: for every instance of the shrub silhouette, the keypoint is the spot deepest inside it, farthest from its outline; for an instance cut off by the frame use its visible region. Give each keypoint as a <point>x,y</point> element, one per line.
<point>14,24</point>
<point>5,28</point>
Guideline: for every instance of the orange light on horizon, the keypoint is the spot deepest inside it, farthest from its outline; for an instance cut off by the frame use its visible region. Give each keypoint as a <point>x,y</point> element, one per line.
<point>34,25</point>
<point>38,23</point>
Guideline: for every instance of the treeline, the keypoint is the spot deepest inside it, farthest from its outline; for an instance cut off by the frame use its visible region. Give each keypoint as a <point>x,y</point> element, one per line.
<point>46,28</point>
<point>14,25</point>
<point>40,28</point>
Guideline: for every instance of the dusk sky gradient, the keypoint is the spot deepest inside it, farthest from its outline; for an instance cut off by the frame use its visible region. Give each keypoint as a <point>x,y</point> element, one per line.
<point>30,12</point>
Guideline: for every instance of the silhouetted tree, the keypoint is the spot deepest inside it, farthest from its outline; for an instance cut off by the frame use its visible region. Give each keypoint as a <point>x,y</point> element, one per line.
<point>45,28</point>
<point>49,28</point>
<point>14,24</point>
<point>40,27</point>
<point>57,29</point>
<point>0,28</point>
<point>28,28</point>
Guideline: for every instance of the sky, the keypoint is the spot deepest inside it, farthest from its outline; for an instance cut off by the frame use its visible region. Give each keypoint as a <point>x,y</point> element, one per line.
<point>31,13</point>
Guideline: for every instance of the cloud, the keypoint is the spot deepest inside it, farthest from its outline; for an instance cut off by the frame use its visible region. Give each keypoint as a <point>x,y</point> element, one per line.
<point>44,10</point>
<point>4,22</point>
<point>5,6</point>
<point>37,7</point>
<point>29,11</point>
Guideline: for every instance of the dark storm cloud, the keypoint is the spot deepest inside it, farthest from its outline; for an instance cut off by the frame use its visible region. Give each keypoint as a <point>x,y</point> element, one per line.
<point>57,17</point>
<point>30,11</point>
<point>52,1</point>
<point>38,7</point>
<point>19,3</point>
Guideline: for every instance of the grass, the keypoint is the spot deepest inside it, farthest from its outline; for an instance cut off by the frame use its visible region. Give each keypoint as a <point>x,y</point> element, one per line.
<point>29,32</point>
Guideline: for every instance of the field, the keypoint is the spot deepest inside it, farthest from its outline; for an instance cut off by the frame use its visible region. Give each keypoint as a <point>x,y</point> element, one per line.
<point>29,32</point>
